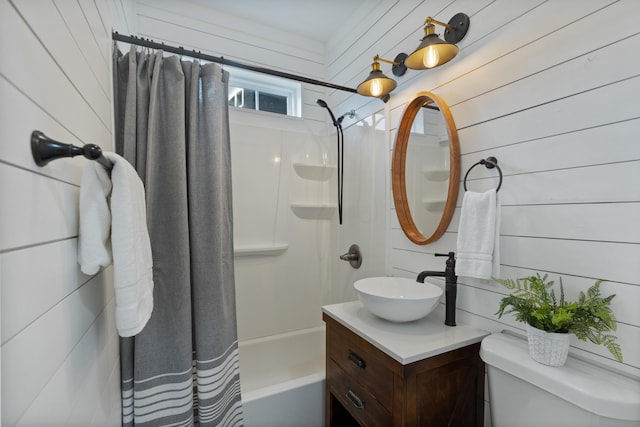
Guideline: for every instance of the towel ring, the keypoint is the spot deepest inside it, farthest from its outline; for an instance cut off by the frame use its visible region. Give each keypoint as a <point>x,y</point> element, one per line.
<point>490,163</point>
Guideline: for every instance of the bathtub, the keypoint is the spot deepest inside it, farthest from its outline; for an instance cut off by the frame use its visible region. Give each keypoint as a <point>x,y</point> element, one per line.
<point>282,379</point>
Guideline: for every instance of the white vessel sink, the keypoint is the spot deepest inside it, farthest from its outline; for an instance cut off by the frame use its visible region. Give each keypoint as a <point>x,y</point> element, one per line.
<point>397,299</point>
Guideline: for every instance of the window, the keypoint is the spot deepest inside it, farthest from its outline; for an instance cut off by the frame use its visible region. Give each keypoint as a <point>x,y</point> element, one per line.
<point>261,92</point>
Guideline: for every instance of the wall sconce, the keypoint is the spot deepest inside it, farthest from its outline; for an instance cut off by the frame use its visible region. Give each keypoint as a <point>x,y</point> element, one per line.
<point>433,51</point>
<point>377,84</point>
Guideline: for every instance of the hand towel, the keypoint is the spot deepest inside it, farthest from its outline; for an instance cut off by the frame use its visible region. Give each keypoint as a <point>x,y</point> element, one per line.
<point>478,251</point>
<point>125,216</point>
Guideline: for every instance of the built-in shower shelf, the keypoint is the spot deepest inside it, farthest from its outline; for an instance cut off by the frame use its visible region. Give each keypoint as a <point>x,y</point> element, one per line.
<point>314,172</point>
<point>274,249</point>
<point>434,205</point>
<point>436,174</point>
<point>312,210</point>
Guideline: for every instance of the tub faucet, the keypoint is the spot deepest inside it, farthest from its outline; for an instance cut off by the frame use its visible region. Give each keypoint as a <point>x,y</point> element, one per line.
<point>450,287</point>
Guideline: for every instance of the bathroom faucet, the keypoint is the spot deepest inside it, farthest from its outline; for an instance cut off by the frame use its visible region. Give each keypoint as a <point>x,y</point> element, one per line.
<point>450,287</point>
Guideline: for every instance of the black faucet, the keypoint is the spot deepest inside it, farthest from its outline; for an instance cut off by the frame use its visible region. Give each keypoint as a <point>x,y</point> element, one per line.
<point>450,287</point>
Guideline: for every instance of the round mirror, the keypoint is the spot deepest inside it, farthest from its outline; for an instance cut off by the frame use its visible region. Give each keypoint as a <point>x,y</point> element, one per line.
<point>425,170</point>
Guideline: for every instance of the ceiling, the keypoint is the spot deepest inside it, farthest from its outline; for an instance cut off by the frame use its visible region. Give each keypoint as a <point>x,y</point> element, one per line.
<point>314,19</point>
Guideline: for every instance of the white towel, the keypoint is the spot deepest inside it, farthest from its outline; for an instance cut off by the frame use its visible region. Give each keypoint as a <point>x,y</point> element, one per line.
<point>125,216</point>
<point>478,252</point>
<point>94,244</point>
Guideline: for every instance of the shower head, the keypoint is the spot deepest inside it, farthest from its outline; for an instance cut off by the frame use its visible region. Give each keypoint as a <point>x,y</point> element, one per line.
<point>323,104</point>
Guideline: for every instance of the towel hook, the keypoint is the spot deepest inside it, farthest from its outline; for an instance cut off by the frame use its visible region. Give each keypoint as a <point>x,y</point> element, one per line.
<point>45,149</point>
<point>489,163</point>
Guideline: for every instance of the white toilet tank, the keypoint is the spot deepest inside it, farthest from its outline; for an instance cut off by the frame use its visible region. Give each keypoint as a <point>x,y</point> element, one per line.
<point>523,392</point>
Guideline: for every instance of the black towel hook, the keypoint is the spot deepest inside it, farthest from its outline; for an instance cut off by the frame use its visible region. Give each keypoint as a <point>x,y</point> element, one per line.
<point>490,163</point>
<point>45,149</point>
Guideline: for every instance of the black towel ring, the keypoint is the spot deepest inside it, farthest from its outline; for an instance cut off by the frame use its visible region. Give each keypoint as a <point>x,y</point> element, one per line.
<point>490,163</point>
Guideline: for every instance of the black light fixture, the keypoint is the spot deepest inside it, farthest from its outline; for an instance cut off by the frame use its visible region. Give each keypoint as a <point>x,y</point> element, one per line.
<point>377,84</point>
<point>433,51</point>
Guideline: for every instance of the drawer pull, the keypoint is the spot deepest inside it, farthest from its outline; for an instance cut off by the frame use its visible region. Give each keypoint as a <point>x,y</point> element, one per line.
<point>355,400</point>
<point>356,360</point>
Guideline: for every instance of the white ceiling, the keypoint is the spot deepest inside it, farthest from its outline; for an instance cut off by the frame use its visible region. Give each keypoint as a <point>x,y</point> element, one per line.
<point>315,19</point>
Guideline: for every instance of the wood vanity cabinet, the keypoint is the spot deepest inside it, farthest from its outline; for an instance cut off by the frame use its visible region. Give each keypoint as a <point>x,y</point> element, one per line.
<point>367,387</point>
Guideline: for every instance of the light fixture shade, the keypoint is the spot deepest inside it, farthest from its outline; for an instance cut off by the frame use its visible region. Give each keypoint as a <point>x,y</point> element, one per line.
<point>377,84</point>
<point>432,52</point>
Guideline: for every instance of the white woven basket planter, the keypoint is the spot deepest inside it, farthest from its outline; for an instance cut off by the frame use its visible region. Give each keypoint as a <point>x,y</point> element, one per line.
<point>548,348</point>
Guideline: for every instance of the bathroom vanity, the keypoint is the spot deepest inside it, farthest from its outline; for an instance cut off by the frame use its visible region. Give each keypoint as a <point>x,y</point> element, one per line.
<point>421,373</point>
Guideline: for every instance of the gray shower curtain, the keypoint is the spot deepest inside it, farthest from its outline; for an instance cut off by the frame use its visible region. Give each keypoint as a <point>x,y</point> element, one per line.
<point>172,125</point>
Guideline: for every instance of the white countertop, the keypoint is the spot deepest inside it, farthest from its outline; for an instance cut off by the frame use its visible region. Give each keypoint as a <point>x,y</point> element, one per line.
<point>405,342</point>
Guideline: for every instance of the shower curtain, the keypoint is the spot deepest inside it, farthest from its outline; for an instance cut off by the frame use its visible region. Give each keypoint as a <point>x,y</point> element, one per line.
<point>172,125</point>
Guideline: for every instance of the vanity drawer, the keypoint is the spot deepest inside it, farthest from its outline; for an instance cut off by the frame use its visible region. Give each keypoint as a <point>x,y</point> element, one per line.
<point>355,398</point>
<point>362,362</point>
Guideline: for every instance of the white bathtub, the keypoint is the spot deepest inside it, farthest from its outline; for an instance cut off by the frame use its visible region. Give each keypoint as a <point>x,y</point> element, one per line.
<point>282,379</point>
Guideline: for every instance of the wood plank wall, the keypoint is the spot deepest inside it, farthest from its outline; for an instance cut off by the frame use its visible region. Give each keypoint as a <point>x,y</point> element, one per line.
<point>549,88</point>
<point>59,343</point>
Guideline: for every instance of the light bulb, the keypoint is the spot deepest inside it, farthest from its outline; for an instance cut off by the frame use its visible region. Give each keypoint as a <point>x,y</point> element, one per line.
<point>430,58</point>
<point>376,87</point>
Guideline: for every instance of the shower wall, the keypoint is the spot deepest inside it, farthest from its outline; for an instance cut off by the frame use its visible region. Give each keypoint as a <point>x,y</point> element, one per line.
<point>276,283</point>
<point>286,231</point>
<point>366,193</point>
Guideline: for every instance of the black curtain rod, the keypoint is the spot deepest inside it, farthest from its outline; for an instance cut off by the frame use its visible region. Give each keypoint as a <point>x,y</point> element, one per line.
<point>221,60</point>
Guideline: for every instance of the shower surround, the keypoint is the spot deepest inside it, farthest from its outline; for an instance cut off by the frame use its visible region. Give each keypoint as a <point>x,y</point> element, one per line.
<point>282,289</point>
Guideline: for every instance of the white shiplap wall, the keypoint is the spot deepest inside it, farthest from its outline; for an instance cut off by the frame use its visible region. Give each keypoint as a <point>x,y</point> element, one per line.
<point>555,102</point>
<point>59,343</point>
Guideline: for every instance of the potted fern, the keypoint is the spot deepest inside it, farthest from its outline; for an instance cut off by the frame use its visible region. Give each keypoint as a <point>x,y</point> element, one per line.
<point>550,319</point>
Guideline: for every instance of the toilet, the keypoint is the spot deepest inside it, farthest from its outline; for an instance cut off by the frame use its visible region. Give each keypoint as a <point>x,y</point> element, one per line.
<point>523,392</point>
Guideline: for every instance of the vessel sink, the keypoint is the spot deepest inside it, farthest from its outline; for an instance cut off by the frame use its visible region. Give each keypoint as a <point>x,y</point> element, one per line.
<point>397,299</point>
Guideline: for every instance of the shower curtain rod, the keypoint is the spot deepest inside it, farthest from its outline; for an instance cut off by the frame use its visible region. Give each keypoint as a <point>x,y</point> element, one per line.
<point>138,41</point>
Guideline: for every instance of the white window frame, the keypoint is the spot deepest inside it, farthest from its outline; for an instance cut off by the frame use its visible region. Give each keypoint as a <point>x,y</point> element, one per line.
<point>258,82</point>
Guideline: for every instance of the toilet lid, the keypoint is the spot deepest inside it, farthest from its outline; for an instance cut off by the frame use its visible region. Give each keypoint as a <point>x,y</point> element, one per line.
<point>590,387</point>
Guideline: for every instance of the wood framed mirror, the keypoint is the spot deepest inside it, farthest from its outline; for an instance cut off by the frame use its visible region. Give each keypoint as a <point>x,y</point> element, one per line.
<point>425,168</point>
